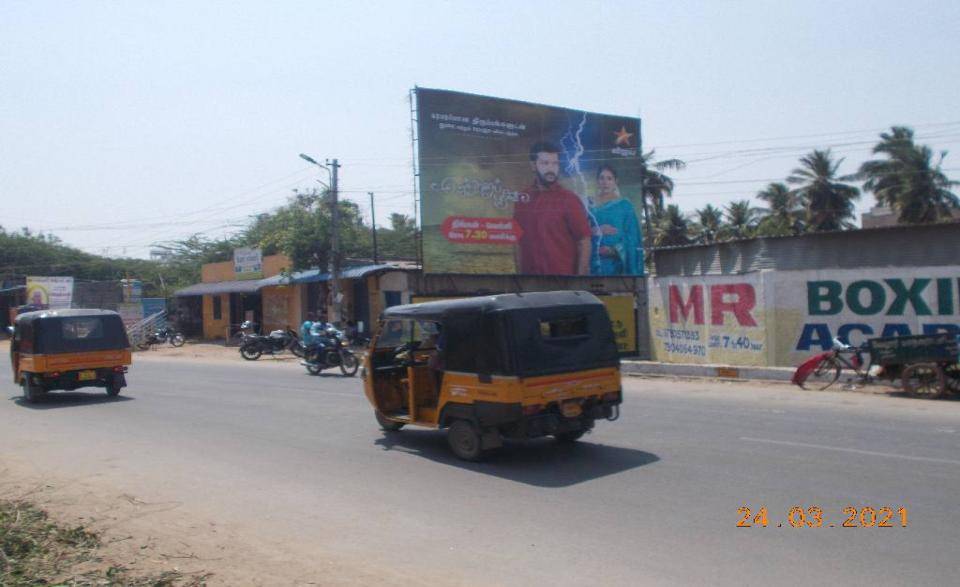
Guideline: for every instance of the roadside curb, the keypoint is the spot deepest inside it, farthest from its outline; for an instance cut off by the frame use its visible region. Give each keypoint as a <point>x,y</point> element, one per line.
<point>711,371</point>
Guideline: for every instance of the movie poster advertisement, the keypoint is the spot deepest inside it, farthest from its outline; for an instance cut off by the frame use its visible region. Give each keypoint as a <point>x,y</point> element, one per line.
<point>519,188</point>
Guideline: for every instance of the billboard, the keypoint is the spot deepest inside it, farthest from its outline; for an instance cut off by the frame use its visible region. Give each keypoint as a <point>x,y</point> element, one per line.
<point>50,292</point>
<point>509,187</point>
<point>247,263</point>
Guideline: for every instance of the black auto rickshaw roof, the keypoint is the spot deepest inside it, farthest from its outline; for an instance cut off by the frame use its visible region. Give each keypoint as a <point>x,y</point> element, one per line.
<point>527,334</point>
<point>495,303</point>
<point>66,313</point>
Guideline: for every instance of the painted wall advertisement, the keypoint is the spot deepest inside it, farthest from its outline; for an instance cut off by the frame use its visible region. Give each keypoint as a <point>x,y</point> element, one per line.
<point>815,306</point>
<point>50,292</point>
<point>248,263</point>
<point>709,320</point>
<point>781,318</point>
<point>513,187</point>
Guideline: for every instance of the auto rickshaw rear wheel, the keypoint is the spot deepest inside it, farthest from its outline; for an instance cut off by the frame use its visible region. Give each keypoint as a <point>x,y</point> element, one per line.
<point>464,440</point>
<point>572,436</point>
<point>113,389</point>
<point>32,393</point>
<point>386,424</point>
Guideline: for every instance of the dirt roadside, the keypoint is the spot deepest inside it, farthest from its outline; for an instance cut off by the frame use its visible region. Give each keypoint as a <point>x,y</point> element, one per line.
<point>149,537</point>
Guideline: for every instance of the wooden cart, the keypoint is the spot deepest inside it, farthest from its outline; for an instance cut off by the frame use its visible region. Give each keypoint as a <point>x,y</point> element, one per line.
<point>926,364</point>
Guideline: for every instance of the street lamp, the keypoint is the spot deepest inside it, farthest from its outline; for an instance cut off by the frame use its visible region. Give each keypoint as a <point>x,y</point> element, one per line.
<point>331,169</point>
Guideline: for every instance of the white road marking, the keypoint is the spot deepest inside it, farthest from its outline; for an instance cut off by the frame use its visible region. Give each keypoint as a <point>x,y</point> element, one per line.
<point>851,450</point>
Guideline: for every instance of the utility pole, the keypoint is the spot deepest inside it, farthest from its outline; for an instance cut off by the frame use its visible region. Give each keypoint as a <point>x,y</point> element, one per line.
<point>373,223</point>
<point>335,242</point>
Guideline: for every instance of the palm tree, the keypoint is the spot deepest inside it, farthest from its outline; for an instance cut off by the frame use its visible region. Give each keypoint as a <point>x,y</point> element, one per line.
<point>709,224</point>
<point>656,185</point>
<point>828,202</point>
<point>783,213</point>
<point>907,180</point>
<point>672,227</point>
<point>741,219</point>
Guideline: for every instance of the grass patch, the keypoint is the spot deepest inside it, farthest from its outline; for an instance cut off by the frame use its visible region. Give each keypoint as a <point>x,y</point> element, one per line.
<point>36,551</point>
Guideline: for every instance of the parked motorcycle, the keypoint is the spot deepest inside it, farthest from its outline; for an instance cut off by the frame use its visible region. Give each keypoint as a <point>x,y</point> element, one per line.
<point>165,334</point>
<point>334,352</point>
<point>278,341</point>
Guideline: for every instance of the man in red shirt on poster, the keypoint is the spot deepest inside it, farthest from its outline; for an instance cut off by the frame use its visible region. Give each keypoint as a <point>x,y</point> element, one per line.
<point>556,232</point>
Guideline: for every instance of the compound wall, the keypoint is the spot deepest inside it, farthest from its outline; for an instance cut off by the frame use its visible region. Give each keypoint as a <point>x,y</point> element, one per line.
<point>778,318</point>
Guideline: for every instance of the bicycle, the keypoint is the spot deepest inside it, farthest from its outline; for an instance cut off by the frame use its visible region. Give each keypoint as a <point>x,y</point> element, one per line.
<point>823,370</point>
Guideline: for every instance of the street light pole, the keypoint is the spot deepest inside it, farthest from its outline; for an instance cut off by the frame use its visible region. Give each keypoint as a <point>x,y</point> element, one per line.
<point>332,167</point>
<point>335,243</point>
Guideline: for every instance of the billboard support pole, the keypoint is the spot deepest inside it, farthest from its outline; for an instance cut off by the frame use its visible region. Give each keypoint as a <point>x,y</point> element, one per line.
<point>416,194</point>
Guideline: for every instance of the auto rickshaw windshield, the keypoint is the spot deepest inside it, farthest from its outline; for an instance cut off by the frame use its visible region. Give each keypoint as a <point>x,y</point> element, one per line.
<point>399,332</point>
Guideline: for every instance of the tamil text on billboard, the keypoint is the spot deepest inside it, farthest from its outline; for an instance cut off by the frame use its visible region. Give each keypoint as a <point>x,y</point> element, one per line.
<point>514,187</point>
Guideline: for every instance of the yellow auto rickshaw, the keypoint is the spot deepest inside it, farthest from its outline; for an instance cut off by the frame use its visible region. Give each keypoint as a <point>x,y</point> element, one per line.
<point>494,367</point>
<point>69,349</point>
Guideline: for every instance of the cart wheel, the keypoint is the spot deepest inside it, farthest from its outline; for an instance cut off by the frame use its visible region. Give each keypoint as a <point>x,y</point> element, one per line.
<point>825,375</point>
<point>386,424</point>
<point>924,380</point>
<point>952,373</point>
<point>464,440</point>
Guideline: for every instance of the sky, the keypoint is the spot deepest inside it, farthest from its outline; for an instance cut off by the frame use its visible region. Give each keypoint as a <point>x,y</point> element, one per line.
<point>124,124</point>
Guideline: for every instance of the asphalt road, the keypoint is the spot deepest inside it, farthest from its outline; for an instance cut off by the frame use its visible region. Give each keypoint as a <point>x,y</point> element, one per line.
<point>650,499</point>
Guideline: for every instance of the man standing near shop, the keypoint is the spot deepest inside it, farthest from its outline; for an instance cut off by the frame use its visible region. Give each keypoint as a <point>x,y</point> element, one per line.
<point>556,232</point>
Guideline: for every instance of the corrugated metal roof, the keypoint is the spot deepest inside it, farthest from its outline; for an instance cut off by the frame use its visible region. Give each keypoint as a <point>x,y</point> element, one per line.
<point>252,286</point>
<point>315,275</point>
<point>221,287</point>
<point>900,246</point>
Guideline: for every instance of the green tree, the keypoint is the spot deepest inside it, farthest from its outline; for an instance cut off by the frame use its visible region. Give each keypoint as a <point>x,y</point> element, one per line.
<point>783,213</point>
<point>301,230</point>
<point>399,242</point>
<point>709,224</point>
<point>907,179</point>
<point>827,201</point>
<point>656,185</point>
<point>671,227</point>
<point>741,219</point>
<point>24,253</point>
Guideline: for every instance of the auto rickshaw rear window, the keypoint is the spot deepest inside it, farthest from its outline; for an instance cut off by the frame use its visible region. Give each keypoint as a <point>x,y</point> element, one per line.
<point>77,334</point>
<point>564,327</point>
<point>81,328</point>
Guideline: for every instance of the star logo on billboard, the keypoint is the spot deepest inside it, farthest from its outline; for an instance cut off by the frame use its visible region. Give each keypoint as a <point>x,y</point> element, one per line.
<point>623,137</point>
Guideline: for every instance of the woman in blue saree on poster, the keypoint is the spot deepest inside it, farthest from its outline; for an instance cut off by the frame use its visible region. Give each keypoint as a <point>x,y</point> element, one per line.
<point>617,248</point>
